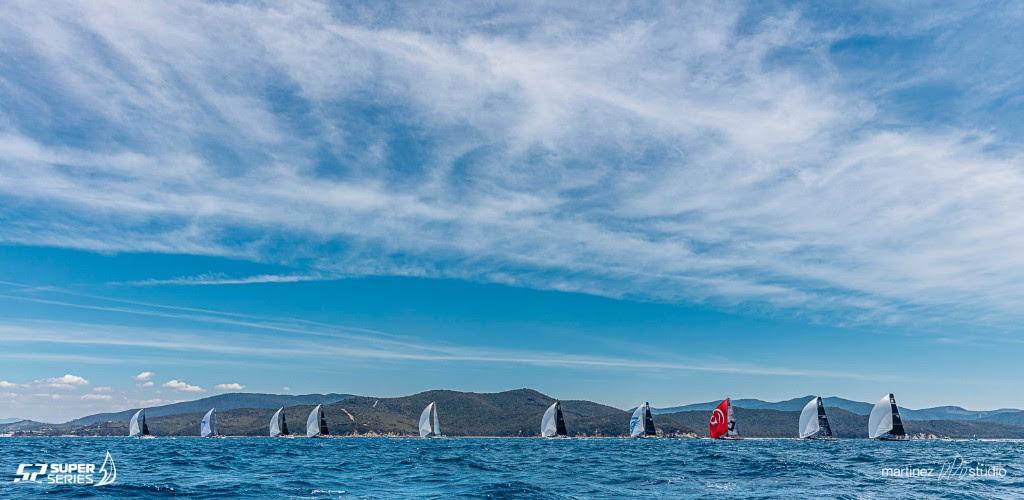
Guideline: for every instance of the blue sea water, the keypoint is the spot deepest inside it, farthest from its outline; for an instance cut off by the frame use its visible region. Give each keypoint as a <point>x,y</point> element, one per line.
<point>526,468</point>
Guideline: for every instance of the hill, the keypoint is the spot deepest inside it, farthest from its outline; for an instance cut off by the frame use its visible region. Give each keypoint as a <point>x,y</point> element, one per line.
<point>510,413</point>
<point>1003,416</point>
<point>795,404</point>
<point>845,424</point>
<point>223,402</point>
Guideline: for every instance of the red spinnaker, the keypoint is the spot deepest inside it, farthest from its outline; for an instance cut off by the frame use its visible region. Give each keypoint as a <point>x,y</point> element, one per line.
<point>719,424</point>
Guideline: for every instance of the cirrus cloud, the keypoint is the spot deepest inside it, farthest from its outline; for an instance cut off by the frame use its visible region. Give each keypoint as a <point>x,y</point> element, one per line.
<point>704,152</point>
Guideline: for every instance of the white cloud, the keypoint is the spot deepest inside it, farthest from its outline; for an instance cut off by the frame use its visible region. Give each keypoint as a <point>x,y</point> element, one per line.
<point>233,386</point>
<point>152,402</point>
<point>665,155</point>
<point>286,388</point>
<point>147,384</point>
<point>97,397</point>
<point>181,386</point>
<point>219,279</point>
<point>66,381</point>
<point>7,385</point>
<point>103,389</point>
<point>144,376</point>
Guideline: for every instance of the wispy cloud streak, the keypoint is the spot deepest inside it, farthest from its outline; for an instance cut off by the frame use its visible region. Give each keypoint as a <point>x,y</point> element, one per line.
<point>268,349</point>
<point>720,153</point>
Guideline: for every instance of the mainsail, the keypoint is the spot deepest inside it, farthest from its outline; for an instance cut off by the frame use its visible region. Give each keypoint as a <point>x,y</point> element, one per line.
<point>553,424</point>
<point>278,425</point>
<point>430,426</point>
<point>208,427</point>
<point>642,423</point>
<point>884,421</point>
<point>648,420</point>
<point>316,424</point>
<point>813,421</point>
<point>137,426</point>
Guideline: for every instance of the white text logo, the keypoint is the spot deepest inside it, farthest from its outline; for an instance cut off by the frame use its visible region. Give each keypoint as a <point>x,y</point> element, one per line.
<point>68,473</point>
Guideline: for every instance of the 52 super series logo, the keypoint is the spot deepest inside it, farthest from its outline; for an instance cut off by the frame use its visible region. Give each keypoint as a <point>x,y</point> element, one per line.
<point>68,473</point>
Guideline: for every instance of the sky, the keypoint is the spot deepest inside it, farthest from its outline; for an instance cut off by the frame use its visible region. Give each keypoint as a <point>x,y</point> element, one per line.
<point>623,202</point>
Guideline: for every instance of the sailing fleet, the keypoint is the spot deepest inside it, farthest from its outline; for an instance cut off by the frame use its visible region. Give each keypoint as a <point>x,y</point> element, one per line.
<point>884,422</point>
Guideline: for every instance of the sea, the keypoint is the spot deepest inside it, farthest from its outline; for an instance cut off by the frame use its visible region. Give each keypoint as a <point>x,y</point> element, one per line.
<point>507,468</point>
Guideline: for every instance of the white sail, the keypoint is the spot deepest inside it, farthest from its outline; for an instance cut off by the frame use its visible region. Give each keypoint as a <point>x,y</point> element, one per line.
<point>809,419</point>
<point>275,423</point>
<point>134,429</point>
<point>313,422</point>
<point>429,425</point>
<point>549,424</point>
<point>208,427</point>
<point>636,422</point>
<point>880,420</point>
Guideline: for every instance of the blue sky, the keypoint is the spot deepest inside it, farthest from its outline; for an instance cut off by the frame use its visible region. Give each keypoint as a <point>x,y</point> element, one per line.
<point>698,199</point>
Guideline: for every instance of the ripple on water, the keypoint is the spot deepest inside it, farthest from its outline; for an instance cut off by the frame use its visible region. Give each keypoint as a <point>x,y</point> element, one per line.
<point>516,468</point>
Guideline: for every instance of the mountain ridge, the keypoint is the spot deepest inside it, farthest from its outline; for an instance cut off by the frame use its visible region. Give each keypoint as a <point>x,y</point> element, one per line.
<point>513,413</point>
<point>1008,416</point>
<point>226,401</point>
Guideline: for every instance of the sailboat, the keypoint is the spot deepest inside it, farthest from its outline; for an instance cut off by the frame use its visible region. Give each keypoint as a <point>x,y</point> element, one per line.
<point>137,427</point>
<point>553,425</point>
<point>208,426</point>
<point>316,423</point>
<point>278,425</point>
<point>641,423</point>
<point>723,424</point>
<point>430,426</point>
<point>884,422</point>
<point>813,421</point>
